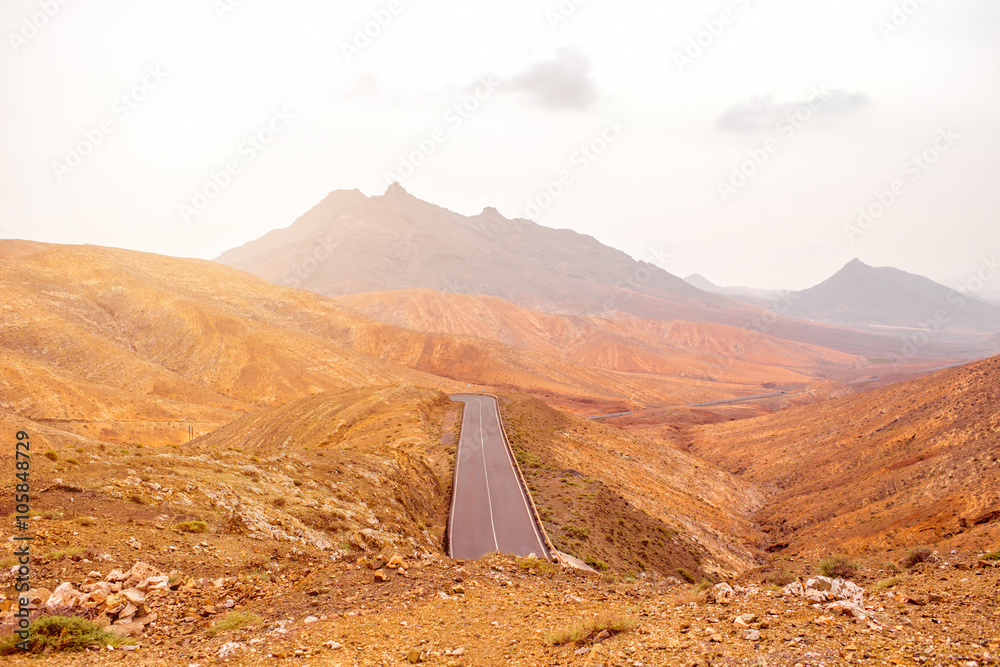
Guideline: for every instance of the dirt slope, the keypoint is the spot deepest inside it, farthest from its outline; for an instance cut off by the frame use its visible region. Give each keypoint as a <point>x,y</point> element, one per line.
<point>909,464</point>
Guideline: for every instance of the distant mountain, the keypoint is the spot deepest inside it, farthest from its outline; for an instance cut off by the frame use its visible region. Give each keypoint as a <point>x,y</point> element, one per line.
<point>860,295</point>
<point>704,284</point>
<point>351,243</point>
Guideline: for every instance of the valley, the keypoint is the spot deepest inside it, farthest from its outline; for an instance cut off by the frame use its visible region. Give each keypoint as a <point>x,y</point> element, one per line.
<point>289,455</point>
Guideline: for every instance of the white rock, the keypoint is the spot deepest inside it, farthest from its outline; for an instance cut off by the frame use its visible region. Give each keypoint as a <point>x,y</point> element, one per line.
<point>229,649</point>
<point>723,593</point>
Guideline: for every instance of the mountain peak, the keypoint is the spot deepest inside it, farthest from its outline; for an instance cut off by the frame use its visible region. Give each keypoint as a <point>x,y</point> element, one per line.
<point>396,190</point>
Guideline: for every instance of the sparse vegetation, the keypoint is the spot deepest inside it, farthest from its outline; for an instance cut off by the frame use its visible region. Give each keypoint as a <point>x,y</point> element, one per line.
<point>915,556</point>
<point>51,455</point>
<point>596,563</point>
<point>780,579</point>
<point>535,566</point>
<point>587,631</point>
<point>892,567</point>
<point>685,575</point>
<point>840,567</point>
<point>66,553</point>
<point>993,555</point>
<point>194,526</point>
<point>233,621</point>
<point>63,633</point>
<point>890,582</point>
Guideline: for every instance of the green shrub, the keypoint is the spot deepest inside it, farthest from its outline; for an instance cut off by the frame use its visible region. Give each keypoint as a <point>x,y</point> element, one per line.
<point>233,621</point>
<point>586,631</point>
<point>596,563</point>
<point>195,526</point>
<point>993,555</point>
<point>67,553</point>
<point>62,633</point>
<point>780,579</point>
<point>918,555</point>
<point>51,455</point>
<point>685,575</point>
<point>535,566</point>
<point>890,582</point>
<point>839,567</point>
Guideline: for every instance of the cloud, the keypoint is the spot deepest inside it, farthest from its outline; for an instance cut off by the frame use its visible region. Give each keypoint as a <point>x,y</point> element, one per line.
<point>561,83</point>
<point>761,112</point>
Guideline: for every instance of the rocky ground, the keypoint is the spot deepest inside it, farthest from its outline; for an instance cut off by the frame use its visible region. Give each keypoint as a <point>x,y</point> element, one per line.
<point>302,606</point>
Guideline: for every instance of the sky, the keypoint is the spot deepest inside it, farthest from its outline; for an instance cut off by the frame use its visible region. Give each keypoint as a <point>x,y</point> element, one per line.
<point>762,143</point>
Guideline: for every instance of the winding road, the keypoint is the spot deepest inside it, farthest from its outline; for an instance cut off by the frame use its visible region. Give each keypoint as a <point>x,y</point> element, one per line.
<point>489,509</point>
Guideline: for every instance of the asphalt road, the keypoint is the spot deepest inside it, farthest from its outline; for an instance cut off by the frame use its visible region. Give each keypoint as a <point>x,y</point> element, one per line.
<point>489,510</point>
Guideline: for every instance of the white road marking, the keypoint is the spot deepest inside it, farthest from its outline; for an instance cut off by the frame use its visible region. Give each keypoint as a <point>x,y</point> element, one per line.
<point>489,498</point>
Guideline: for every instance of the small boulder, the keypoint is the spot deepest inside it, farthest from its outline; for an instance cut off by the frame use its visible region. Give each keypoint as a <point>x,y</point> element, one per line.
<point>126,629</point>
<point>723,593</point>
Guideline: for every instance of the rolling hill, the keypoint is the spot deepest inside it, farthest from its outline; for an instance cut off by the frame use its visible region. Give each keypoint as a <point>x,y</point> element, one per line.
<point>127,346</point>
<point>897,467</point>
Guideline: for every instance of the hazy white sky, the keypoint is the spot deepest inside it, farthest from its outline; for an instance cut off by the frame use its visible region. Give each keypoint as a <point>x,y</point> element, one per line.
<point>190,126</point>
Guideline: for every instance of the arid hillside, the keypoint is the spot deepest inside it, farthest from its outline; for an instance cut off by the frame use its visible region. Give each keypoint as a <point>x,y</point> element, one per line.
<point>917,463</point>
<point>132,347</point>
<point>126,346</point>
<point>630,503</point>
<point>696,350</point>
